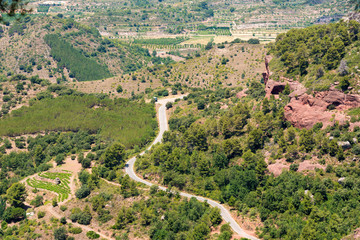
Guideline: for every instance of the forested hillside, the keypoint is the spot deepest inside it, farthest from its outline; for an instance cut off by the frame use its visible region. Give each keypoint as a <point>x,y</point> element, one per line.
<point>319,55</point>
<point>236,155</point>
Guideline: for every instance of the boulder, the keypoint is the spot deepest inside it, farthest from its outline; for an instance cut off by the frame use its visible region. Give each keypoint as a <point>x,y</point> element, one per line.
<point>341,180</point>
<point>344,144</point>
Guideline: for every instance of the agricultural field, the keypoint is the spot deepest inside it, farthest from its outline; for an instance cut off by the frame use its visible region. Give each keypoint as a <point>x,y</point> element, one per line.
<point>112,119</point>
<point>46,181</point>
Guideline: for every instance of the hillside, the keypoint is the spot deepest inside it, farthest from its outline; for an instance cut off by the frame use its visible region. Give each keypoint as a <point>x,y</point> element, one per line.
<point>319,56</point>
<point>26,51</point>
<point>224,65</point>
<point>179,119</point>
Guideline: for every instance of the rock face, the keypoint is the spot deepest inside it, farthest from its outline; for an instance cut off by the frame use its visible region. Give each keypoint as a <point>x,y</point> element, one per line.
<point>274,88</point>
<point>305,110</point>
<point>266,74</point>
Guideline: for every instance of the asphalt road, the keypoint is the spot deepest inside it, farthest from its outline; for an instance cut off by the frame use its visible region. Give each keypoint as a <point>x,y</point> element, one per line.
<point>164,127</point>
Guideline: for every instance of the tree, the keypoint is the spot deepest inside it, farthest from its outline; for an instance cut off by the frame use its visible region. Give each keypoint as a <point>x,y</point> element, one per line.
<point>215,216</point>
<point>12,214</point>
<point>196,138</point>
<point>83,192</point>
<point>201,231</point>
<point>265,106</point>
<point>54,202</point>
<point>331,58</point>
<point>92,235</point>
<point>344,84</point>
<point>114,156</point>
<point>261,169</point>
<point>201,105</point>
<point>255,139</point>
<point>2,207</point>
<point>38,201</point>
<point>253,41</point>
<point>208,46</point>
<point>60,233</point>
<point>119,89</point>
<point>16,195</point>
<point>307,140</point>
<point>286,90</point>
<point>59,159</point>
<point>124,217</point>
<point>169,105</point>
<point>343,68</point>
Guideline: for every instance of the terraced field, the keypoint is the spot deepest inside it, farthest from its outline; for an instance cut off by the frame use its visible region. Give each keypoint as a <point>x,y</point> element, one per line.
<point>63,189</point>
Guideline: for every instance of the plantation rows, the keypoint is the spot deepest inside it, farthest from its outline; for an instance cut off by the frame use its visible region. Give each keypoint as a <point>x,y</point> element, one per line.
<point>161,41</point>
<point>63,189</point>
<point>173,47</point>
<point>129,122</point>
<point>81,67</point>
<point>64,177</point>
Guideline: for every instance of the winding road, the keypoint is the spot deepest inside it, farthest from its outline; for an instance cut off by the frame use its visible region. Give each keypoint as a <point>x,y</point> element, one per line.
<point>164,127</point>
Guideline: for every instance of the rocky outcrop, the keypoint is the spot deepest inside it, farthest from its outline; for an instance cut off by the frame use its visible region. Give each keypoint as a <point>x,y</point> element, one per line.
<point>305,116</point>
<point>344,144</point>
<point>305,110</point>
<point>242,93</point>
<point>266,74</point>
<point>274,88</point>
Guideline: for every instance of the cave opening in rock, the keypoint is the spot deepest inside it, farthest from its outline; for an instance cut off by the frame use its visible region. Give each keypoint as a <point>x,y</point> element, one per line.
<point>278,89</point>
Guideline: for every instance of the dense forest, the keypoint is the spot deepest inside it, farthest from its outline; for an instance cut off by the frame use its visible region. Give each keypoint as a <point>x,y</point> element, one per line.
<point>82,68</point>
<point>221,154</point>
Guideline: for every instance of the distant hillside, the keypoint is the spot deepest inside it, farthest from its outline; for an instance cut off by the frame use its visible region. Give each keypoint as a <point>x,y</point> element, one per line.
<point>23,50</point>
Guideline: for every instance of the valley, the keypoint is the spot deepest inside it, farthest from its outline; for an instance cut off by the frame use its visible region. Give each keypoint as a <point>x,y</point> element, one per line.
<point>185,120</point>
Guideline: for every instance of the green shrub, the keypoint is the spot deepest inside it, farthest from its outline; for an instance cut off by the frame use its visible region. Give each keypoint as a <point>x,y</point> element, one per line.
<point>60,233</point>
<point>83,192</point>
<point>38,201</point>
<point>75,230</point>
<point>41,214</point>
<point>92,235</point>
<point>63,208</point>
<point>119,89</point>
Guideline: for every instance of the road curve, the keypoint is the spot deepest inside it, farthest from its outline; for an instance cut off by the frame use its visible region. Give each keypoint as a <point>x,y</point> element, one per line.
<point>164,127</point>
